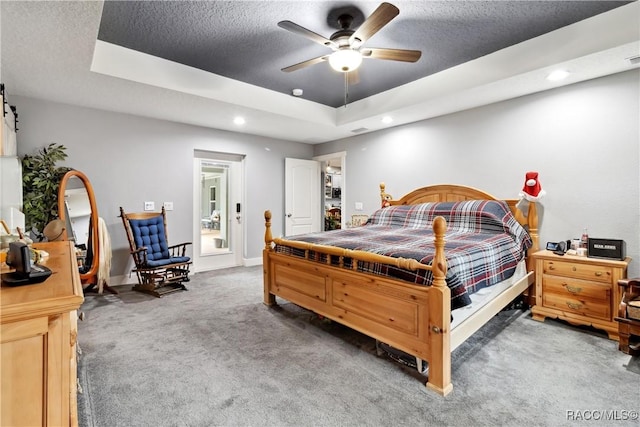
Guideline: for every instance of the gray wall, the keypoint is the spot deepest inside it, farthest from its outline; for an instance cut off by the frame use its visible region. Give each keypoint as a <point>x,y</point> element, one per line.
<point>131,159</point>
<point>583,139</point>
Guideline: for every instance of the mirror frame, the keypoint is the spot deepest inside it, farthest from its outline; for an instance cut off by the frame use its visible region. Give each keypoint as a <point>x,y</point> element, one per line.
<point>91,276</point>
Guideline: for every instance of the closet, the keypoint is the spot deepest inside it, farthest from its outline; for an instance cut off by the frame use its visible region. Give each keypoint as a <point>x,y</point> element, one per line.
<point>332,197</point>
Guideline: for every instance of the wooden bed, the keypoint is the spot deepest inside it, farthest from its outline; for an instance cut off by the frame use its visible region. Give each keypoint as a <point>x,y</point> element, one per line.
<point>413,318</point>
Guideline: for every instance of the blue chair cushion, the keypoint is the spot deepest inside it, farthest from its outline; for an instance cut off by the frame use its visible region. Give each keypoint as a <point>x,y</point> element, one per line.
<point>167,261</point>
<point>149,233</point>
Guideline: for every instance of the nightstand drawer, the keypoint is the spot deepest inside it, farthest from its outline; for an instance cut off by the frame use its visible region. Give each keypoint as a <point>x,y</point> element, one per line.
<point>577,270</point>
<point>585,307</point>
<point>579,289</point>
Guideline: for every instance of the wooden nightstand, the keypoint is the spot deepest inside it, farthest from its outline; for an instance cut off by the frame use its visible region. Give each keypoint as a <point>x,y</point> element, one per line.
<point>580,290</point>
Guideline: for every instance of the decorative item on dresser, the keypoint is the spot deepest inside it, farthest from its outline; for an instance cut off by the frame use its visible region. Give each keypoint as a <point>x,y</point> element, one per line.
<point>409,307</point>
<point>38,344</point>
<point>579,290</point>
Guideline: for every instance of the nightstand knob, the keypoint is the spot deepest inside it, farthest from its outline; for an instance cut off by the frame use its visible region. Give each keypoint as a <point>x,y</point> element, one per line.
<point>598,273</point>
<point>573,268</point>
<point>551,267</point>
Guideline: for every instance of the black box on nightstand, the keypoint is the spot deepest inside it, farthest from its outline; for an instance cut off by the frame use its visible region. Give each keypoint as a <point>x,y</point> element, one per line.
<point>606,248</point>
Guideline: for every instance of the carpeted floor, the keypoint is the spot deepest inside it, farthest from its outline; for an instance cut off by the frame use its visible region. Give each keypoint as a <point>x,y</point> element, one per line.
<point>216,356</point>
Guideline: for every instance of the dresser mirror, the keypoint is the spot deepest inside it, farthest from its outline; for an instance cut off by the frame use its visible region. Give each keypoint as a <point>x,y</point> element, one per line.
<point>77,208</point>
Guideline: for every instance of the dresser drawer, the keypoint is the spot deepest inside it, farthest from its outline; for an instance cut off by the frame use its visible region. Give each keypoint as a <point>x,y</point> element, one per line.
<point>582,307</point>
<point>578,271</point>
<point>579,289</point>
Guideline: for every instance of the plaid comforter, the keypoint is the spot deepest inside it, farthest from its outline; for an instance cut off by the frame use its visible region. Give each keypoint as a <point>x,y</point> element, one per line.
<point>484,243</point>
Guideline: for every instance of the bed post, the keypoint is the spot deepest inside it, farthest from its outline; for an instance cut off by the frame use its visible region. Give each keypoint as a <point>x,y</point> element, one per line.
<point>439,326</point>
<point>532,222</point>
<point>269,298</point>
<point>385,198</point>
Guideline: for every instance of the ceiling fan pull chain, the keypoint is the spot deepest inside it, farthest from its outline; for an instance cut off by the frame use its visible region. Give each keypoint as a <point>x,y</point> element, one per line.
<point>346,88</point>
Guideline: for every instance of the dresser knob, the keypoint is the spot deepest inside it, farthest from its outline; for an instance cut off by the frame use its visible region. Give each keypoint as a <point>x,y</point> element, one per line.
<point>598,273</point>
<point>551,267</point>
<point>573,268</point>
<point>573,289</point>
<point>574,306</point>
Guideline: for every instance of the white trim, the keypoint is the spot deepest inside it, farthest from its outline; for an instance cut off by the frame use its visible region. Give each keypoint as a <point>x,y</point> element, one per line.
<point>123,279</point>
<point>250,262</point>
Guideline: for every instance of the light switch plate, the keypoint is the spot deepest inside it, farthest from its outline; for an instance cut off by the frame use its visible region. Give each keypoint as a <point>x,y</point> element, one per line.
<point>358,206</point>
<point>168,206</point>
<point>149,206</point>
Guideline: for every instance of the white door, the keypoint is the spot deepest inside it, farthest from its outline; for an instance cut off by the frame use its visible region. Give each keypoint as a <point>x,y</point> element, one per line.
<point>218,211</point>
<point>302,196</point>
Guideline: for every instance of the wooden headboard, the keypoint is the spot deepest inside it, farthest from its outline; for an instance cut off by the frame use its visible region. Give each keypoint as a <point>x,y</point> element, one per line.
<point>457,193</point>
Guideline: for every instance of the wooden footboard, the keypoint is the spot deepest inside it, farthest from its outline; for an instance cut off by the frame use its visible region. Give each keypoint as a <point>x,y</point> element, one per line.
<point>412,318</point>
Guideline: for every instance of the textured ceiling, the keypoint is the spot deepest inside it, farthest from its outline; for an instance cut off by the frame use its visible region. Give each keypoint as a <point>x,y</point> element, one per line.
<point>51,50</point>
<point>241,40</point>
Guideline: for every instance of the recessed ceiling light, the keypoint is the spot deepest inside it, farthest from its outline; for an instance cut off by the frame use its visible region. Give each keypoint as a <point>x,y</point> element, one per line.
<point>239,120</point>
<point>634,60</point>
<point>387,119</point>
<point>558,75</point>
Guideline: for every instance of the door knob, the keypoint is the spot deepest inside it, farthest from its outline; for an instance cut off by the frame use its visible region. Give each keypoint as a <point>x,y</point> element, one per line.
<point>288,215</point>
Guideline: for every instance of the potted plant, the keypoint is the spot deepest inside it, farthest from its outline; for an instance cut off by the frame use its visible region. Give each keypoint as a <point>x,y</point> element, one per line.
<point>40,182</point>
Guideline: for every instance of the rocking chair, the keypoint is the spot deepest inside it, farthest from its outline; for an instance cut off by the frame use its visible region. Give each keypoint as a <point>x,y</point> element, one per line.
<point>160,268</point>
<point>629,316</point>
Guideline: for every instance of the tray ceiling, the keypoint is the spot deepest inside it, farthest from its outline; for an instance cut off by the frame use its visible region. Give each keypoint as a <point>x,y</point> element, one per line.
<point>204,63</point>
<point>242,41</point>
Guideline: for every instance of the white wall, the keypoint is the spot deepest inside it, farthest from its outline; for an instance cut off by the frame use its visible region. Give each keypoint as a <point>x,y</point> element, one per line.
<point>131,159</point>
<point>583,139</point>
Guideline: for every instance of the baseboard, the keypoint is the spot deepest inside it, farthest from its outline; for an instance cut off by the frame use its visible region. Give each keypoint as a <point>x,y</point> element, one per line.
<point>250,262</point>
<point>125,279</point>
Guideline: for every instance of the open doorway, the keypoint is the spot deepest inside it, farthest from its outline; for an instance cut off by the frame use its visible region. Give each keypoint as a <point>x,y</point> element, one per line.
<point>333,194</point>
<point>218,195</point>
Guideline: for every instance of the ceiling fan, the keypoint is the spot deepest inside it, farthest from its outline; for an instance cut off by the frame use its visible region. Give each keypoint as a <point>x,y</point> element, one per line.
<point>346,43</point>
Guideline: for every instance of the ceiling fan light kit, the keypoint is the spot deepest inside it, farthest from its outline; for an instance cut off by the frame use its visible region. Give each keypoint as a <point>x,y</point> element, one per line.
<point>346,42</point>
<point>345,60</point>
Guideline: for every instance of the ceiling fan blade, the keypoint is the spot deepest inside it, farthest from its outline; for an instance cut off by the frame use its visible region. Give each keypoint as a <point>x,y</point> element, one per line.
<point>404,55</point>
<point>378,19</point>
<point>297,29</point>
<point>306,63</point>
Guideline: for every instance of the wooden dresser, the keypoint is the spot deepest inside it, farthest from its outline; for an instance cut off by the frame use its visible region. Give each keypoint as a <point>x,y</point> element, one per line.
<point>37,344</point>
<point>580,290</point>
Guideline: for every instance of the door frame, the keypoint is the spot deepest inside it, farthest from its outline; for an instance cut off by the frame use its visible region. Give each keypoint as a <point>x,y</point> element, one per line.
<point>235,256</point>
